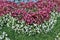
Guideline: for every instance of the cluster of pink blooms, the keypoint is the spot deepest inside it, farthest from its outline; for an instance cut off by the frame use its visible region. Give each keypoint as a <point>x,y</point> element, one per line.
<point>36,12</point>
<point>6,7</point>
<point>58,5</point>
<point>30,12</point>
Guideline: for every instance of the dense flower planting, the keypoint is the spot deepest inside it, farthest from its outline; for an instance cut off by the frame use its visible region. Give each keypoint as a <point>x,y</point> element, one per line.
<point>58,5</point>
<point>30,12</point>
<point>6,7</point>
<point>30,17</point>
<point>21,27</point>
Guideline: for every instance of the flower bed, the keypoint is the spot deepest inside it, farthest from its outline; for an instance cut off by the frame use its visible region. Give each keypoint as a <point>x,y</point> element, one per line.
<point>31,17</point>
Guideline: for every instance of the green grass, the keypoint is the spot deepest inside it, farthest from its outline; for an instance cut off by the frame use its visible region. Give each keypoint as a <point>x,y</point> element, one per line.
<point>43,36</point>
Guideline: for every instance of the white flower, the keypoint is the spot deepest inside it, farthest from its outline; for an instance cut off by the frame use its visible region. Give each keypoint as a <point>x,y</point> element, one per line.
<point>57,36</point>
<point>38,31</point>
<point>1,37</point>
<point>35,24</point>
<point>4,33</point>
<point>8,25</point>
<point>21,25</point>
<point>13,27</point>
<point>25,27</point>
<point>6,38</point>
<point>17,25</point>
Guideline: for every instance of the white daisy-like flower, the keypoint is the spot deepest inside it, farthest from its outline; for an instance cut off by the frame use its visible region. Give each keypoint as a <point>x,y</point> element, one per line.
<point>4,36</point>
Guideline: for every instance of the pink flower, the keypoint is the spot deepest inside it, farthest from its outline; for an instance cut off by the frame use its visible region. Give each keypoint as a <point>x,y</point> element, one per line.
<point>31,12</point>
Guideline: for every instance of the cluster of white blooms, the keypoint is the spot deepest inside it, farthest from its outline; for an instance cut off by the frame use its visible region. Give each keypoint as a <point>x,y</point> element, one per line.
<point>21,27</point>
<point>57,37</point>
<point>47,26</point>
<point>33,29</point>
<point>3,36</point>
